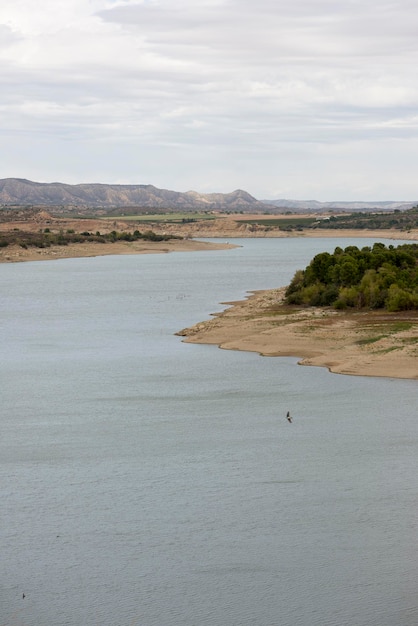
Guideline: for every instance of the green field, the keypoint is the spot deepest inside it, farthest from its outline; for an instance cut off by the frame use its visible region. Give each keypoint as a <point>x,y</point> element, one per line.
<point>163,217</point>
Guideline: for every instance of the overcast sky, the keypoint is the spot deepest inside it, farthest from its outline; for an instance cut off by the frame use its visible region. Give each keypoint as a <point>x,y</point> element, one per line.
<point>298,99</point>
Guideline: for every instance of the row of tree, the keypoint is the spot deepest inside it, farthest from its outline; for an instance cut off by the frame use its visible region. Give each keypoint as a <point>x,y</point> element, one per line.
<point>398,220</point>
<point>387,220</point>
<point>46,238</point>
<point>377,277</point>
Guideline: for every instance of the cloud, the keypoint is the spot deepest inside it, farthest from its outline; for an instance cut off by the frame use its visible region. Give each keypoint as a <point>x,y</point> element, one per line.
<point>200,85</point>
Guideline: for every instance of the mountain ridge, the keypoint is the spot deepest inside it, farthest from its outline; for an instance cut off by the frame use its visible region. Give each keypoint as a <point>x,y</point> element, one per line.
<point>20,191</point>
<point>103,197</point>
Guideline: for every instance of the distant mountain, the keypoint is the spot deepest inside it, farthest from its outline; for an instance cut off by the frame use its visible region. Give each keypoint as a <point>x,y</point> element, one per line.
<point>314,205</point>
<point>108,199</point>
<point>18,191</point>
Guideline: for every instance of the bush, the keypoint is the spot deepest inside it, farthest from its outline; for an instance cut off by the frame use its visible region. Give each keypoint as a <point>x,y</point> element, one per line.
<point>400,300</point>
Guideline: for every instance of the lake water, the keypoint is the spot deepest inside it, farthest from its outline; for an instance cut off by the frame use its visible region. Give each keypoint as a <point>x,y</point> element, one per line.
<point>149,482</point>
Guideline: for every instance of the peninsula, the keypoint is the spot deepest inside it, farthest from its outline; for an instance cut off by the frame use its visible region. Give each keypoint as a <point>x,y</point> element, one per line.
<point>363,343</point>
<point>354,311</point>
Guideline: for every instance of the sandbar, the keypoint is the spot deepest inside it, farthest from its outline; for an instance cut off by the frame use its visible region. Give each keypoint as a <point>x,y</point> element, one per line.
<point>15,253</point>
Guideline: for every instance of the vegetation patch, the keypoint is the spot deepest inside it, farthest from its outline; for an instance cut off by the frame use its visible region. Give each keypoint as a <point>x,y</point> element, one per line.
<point>369,340</point>
<point>409,340</point>
<point>168,218</point>
<point>45,238</point>
<point>399,327</point>
<point>386,350</point>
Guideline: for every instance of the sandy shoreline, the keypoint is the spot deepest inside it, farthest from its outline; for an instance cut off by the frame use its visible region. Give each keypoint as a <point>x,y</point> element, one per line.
<point>15,254</point>
<point>356,343</point>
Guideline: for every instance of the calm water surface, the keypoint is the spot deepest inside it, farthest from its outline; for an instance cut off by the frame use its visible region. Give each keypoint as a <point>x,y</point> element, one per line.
<point>148,482</point>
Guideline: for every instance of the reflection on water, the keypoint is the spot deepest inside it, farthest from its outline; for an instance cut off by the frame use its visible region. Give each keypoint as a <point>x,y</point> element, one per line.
<point>147,481</point>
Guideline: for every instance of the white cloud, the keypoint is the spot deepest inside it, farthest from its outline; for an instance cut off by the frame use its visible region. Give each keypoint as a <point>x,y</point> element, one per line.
<point>211,95</point>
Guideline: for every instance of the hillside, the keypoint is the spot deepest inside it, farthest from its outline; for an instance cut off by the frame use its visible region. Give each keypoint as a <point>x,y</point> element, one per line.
<point>19,192</point>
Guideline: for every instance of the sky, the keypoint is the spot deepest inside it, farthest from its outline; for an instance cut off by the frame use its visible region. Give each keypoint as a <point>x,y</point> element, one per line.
<point>297,99</point>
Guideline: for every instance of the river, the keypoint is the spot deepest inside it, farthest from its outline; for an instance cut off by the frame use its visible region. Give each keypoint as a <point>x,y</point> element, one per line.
<point>149,482</point>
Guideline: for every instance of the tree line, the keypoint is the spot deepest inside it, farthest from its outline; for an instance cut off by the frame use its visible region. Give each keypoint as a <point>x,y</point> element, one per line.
<point>397,220</point>
<point>46,238</point>
<point>371,277</point>
<point>388,220</point>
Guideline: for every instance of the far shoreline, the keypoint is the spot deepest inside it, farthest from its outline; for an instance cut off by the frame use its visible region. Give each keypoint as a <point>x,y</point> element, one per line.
<point>17,254</point>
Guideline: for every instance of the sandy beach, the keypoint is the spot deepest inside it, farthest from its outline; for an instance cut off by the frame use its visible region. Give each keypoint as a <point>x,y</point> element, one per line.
<point>371,343</point>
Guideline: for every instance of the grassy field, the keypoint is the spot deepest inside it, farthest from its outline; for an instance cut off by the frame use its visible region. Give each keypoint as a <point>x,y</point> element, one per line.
<point>163,217</point>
